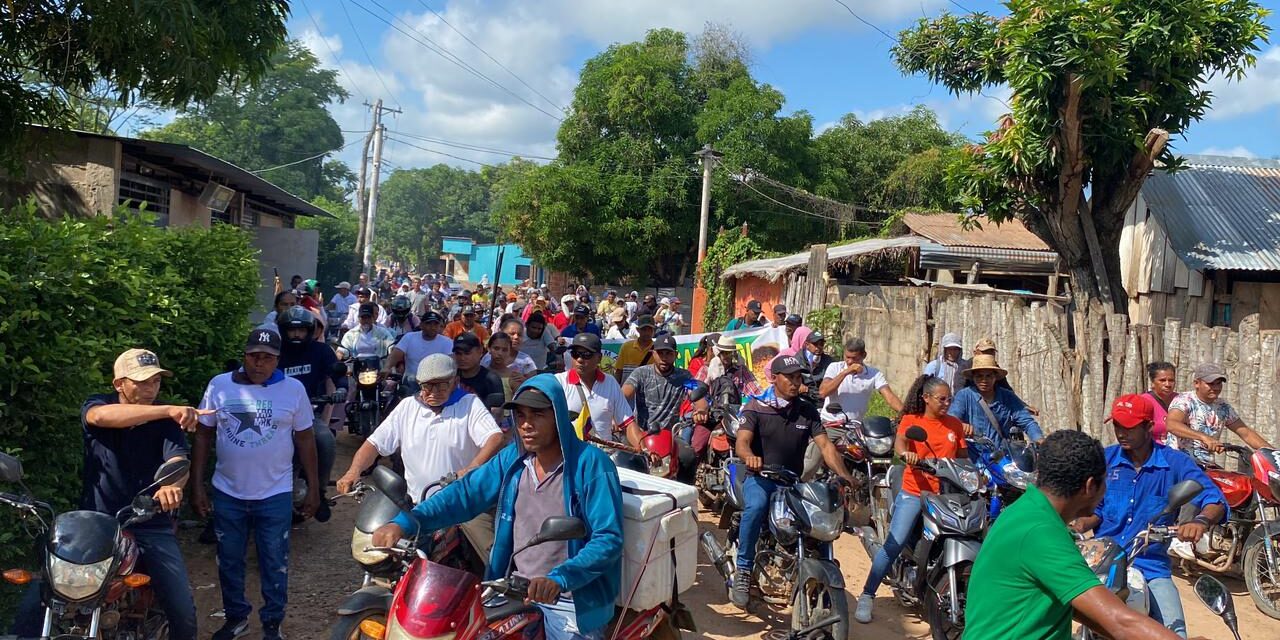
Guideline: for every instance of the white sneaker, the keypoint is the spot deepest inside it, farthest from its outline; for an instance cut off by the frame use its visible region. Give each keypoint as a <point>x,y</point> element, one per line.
<point>863,612</point>
<point>1182,549</point>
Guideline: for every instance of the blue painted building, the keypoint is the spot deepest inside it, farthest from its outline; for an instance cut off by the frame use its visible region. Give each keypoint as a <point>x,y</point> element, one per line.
<point>471,262</point>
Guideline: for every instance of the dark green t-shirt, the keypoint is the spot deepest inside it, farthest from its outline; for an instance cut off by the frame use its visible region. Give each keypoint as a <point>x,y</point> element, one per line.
<point>1025,577</point>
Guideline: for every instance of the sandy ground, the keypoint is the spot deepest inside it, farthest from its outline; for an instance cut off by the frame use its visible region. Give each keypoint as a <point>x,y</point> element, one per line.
<point>322,573</point>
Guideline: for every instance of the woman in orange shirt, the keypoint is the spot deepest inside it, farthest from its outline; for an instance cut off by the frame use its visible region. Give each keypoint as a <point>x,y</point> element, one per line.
<point>926,407</point>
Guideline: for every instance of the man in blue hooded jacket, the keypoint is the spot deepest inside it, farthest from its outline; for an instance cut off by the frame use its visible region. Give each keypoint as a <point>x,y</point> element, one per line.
<point>546,472</point>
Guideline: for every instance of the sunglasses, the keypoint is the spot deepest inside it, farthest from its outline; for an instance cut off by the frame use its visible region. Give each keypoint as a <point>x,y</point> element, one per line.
<point>580,354</point>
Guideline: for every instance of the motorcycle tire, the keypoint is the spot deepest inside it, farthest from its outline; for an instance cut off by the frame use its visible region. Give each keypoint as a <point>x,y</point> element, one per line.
<point>939,622</point>
<point>1253,564</point>
<point>348,627</point>
<point>804,612</point>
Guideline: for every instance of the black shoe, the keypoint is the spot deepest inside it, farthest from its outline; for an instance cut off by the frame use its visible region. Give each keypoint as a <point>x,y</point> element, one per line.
<point>231,629</point>
<point>271,631</point>
<point>740,592</point>
<point>208,536</point>
<point>322,512</point>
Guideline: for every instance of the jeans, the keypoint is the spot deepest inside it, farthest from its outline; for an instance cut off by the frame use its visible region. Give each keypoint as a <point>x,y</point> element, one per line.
<point>160,558</point>
<point>269,520</point>
<point>903,530</point>
<point>756,492</point>
<point>560,622</point>
<point>1166,606</point>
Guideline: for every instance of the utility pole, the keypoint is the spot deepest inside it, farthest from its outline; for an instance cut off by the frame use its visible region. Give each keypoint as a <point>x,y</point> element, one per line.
<point>709,157</point>
<point>360,202</point>
<point>378,133</point>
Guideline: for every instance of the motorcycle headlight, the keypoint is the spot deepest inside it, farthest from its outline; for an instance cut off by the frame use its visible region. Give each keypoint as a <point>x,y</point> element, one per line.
<point>661,468</point>
<point>970,480</point>
<point>1017,477</point>
<point>880,446</point>
<point>823,525</point>
<point>367,377</point>
<point>359,542</point>
<point>77,581</point>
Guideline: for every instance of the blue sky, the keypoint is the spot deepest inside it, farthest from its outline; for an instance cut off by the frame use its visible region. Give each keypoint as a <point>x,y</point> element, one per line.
<point>823,59</point>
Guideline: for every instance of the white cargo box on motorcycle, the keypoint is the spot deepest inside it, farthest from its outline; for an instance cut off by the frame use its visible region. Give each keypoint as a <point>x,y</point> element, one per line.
<point>660,539</point>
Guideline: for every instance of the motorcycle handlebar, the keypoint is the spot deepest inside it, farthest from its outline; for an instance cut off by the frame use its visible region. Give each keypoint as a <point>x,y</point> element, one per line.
<point>778,473</point>
<point>511,586</point>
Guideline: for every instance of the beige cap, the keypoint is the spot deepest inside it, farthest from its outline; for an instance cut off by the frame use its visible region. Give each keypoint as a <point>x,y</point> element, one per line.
<point>139,365</point>
<point>985,344</point>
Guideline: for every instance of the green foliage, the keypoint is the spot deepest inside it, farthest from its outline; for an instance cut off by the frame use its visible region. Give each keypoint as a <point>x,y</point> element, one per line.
<point>280,120</point>
<point>158,50</point>
<point>78,292</point>
<point>418,207</point>
<point>830,322</point>
<point>729,248</point>
<point>336,250</point>
<point>1096,84</point>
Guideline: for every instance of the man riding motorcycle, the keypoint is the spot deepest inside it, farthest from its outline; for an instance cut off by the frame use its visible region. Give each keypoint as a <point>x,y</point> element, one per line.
<point>367,337</point>
<point>401,320</point>
<point>658,391</point>
<point>410,351</point>
<point>549,471</point>
<point>775,432</point>
<point>311,363</point>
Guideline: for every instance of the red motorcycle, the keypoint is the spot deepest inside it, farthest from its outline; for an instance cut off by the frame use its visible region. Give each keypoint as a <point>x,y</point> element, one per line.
<point>434,601</point>
<point>1249,538</point>
<point>658,458</point>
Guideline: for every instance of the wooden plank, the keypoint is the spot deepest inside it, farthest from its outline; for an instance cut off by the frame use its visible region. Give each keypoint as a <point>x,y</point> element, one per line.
<point>1195,283</point>
<point>1246,371</point>
<point>1169,270</point>
<point>1181,274</point>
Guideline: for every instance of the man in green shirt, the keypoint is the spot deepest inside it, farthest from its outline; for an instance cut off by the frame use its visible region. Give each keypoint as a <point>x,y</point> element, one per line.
<point>1029,579</point>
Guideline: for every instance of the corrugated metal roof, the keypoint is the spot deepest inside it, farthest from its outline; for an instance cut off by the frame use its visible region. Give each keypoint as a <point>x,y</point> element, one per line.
<point>945,228</point>
<point>774,268</point>
<point>1017,261</point>
<point>1220,212</point>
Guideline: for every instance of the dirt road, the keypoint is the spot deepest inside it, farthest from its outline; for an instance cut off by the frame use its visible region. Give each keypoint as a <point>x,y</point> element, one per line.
<point>322,573</point>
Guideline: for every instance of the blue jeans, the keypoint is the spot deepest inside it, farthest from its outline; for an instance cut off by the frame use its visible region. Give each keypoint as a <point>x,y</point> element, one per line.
<point>269,519</point>
<point>160,558</point>
<point>1166,606</point>
<point>756,492</point>
<point>559,622</point>
<point>903,529</point>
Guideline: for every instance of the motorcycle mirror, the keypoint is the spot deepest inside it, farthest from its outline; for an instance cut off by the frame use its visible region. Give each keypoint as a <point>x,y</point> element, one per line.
<point>338,370</point>
<point>391,485</point>
<point>698,391</point>
<point>1180,494</point>
<point>917,434</point>
<point>559,529</point>
<point>1214,595</point>
<point>10,468</point>
<point>171,471</point>
<point>834,408</point>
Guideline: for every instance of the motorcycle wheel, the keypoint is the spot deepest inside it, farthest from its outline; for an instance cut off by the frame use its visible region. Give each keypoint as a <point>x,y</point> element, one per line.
<point>348,627</point>
<point>1265,591</point>
<point>816,601</point>
<point>939,622</point>
<point>368,422</point>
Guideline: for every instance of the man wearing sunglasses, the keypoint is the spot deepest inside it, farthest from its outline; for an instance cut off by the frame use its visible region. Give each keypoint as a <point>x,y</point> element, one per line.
<point>607,411</point>
<point>443,430</point>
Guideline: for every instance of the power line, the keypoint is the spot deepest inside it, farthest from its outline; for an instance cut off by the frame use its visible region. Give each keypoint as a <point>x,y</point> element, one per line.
<point>290,164</point>
<point>471,147</point>
<point>356,32</point>
<point>745,180</point>
<point>863,21</point>
<point>486,54</point>
<point>336,59</point>
<point>448,56</point>
<point>443,153</point>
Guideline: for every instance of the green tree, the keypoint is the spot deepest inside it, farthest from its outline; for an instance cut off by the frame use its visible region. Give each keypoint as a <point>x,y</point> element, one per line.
<point>280,120</point>
<point>418,207</point>
<point>1098,88</point>
<point>335,251</point>
<point>166,52</point>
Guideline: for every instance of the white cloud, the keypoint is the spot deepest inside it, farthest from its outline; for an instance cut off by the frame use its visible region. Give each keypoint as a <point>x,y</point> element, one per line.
<point>1259,90</point>
<point>1238,151</point>
<point>884,112</point>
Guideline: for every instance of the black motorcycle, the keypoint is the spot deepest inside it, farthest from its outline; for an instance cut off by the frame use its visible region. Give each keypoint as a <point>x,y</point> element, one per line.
<point>89,586</point>
<point>936,572</point>
<point>371,400</point>
<point>795,562</point>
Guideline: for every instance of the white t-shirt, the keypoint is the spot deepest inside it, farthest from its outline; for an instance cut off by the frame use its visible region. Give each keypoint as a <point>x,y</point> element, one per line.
<point>415,348</point>
<point>342,303</point>
<point>353,316</point>
<point>523,364</point>
<point>434,444</point>
<point>608,405</point>
<point>854,393</point>
<point>632,306</point>
<point>255,426</point>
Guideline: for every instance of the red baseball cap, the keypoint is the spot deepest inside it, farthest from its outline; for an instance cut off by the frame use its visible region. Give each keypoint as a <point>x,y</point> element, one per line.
<point>1130,411</point>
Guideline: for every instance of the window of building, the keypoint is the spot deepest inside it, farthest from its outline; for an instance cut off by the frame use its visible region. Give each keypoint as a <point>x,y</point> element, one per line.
<point>225,217</point>
<point>250,218</point>
<point>140,193</point>
<point>522,272</point>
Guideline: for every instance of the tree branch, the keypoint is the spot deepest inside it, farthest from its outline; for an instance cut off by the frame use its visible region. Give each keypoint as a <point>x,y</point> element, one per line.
<point>1071,146</point>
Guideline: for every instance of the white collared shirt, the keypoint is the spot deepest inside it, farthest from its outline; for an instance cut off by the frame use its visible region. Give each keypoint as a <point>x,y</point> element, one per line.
<point>608,406</point>
<point>434,444</point>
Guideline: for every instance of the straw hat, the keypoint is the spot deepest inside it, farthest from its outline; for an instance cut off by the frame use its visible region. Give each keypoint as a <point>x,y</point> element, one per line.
<point>983,362</point>
<point>726,343</point>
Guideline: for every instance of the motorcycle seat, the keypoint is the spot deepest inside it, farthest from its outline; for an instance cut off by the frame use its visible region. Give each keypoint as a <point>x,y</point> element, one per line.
<point>895,484</point>
<point>505,608</point>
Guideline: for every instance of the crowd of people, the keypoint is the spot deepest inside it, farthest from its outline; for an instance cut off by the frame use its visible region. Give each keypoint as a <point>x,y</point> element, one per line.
<point>475,401</point>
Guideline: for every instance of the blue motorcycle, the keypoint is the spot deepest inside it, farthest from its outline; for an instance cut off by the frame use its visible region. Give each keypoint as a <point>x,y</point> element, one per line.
<point>1011,467</point>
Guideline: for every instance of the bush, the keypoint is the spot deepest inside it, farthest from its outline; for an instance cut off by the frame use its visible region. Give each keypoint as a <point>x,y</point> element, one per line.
<point>730,247</point>
<point>78,292</point>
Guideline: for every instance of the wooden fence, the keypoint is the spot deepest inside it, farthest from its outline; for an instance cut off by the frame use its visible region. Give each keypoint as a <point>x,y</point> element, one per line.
<point>1070,366</point>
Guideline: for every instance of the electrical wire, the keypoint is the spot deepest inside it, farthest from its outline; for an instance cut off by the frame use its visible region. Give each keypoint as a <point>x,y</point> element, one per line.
<point>443,153</point>
<point>863,21</point>
<point>471,147</point>
<point>431,46</point>
<point>356,32</point>
<point>290,164</point>
<point>815,214</point>
<point>491,58</point>
<point>336,59</point>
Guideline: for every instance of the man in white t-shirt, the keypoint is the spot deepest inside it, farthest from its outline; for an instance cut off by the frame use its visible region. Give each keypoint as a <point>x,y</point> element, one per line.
<point>441,430</point>
<point>342,301</point>
<point>260,417</point>
<point>607,409</point>
<point>850,382</point>
<point>353,312</point>
<point>416,346</point>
